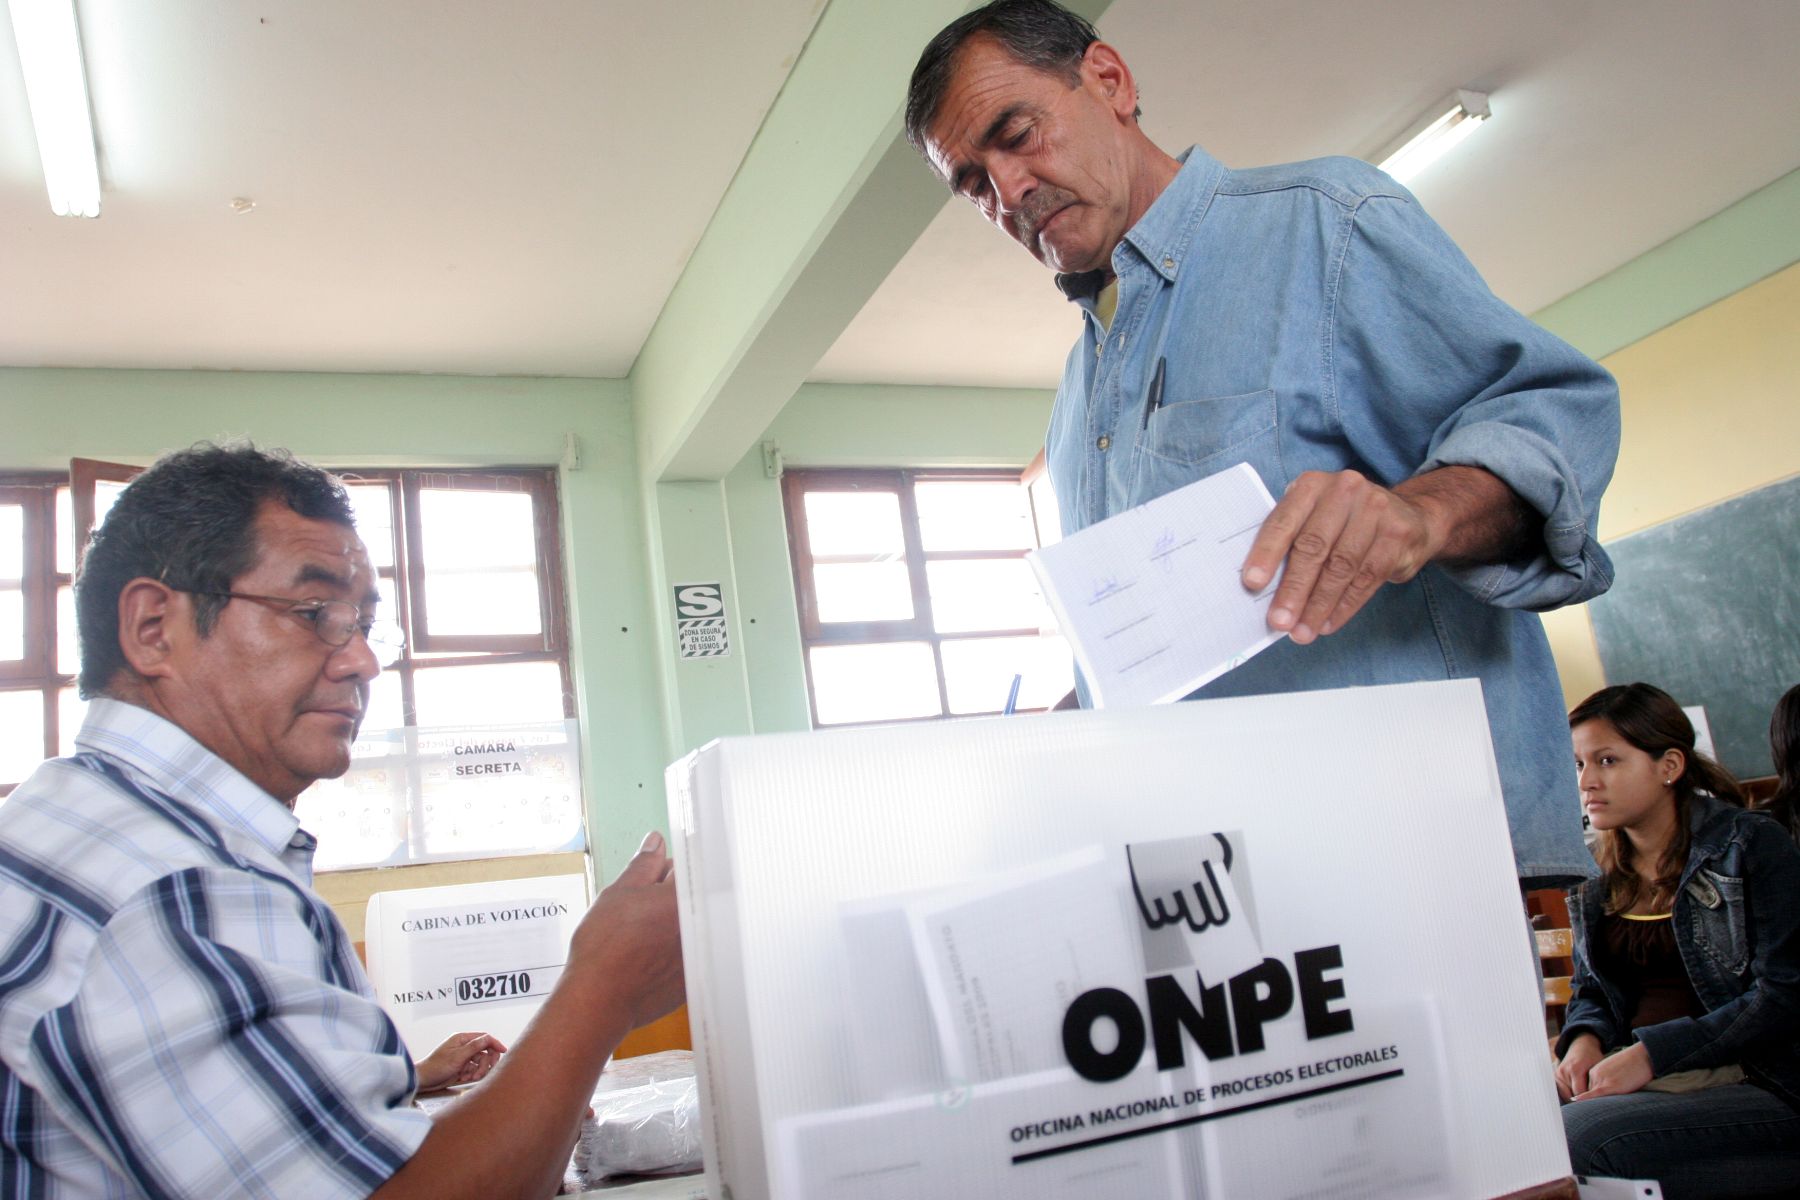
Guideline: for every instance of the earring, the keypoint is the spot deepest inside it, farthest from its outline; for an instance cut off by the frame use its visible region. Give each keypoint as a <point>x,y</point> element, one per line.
<point>1668,783</point>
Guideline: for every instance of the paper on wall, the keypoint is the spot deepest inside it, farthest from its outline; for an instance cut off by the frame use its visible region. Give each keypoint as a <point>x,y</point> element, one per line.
<point>471,955</point>
<point>1151,599</point>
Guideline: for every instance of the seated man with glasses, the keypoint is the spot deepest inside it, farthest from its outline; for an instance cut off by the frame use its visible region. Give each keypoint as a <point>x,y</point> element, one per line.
<point>180,1014</point>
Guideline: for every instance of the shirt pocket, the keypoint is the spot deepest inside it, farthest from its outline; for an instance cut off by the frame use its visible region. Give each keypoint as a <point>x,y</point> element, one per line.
<point>1185,440</point>
<point>1720,925</point>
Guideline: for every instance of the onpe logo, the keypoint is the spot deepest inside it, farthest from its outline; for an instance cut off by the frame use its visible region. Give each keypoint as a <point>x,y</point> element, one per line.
<point>1209,983</point>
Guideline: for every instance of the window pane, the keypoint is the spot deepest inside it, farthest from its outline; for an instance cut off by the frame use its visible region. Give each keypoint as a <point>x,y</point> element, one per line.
<point>986,593</point>
<point>388,612</point>
<point>501,694</point>
<point>386,709</point>
<point>480,563</point>
<point>360,817</point>
<point>374,506</point>
<point>68,643</point>
<point>880,682</point>
<point>863,523</point>
<point>967,515</point>
<point>1046,519</point>
<point>71,711</point>
<point>978,672</point>
<point>505,789</point>
<point>21,734</point>
<point>105,492</point>
<point>12,542</point>
<point>863,591</point>
<point>12,624</point>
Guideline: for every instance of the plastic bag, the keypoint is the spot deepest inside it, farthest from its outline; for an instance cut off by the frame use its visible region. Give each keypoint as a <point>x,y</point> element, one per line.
<point>651,1128</point>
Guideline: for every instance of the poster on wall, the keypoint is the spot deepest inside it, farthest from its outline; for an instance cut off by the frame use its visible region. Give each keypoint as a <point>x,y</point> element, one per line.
<point>470,956</point>
<point>700,630</point>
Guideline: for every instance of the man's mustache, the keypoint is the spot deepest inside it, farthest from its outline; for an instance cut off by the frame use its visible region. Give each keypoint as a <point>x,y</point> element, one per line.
<point>1039,207</point>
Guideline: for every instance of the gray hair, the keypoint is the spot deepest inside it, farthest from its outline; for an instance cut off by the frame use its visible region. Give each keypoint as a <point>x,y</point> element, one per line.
<point>189,521</point>
<point>1037,33</point>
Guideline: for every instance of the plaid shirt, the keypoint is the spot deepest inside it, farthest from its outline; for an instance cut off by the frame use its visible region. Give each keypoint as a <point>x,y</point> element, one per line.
<point>180,1015</point>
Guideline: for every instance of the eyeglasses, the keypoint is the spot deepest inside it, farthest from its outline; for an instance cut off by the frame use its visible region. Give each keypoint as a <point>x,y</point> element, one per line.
<point>334,621</point>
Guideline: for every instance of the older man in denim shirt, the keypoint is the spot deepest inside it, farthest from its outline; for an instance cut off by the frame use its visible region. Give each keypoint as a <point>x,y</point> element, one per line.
<point>1439,457</point>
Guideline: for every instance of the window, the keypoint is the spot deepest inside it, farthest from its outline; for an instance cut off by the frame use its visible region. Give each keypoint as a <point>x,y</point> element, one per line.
<point>916,601</point>
<point>468,564</point>
<point>469,746</point>
<point>39,519</point>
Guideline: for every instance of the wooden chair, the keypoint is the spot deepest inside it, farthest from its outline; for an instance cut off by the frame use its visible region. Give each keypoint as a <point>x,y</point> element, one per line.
<point>1549,911</point>
<point>1556,949</point>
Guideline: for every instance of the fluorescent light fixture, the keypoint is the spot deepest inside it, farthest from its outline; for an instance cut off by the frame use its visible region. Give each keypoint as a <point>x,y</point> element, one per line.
<point>50,54</point>
<point>1459,116</point>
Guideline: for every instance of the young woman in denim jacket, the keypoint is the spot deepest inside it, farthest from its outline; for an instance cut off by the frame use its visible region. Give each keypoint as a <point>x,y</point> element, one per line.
<point>1680,1053</point>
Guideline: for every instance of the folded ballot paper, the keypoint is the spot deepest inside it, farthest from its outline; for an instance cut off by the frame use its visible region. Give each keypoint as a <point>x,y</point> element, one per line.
<point>1151,599</point>
<point>1180,951</point>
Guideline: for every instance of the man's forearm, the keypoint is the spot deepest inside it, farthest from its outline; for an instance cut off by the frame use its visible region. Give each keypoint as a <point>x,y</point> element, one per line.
<point>1472,515</point>
<point>511,1136</point>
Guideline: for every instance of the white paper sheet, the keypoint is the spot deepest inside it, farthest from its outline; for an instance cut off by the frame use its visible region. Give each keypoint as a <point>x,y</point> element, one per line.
<point>997,998</point>
<point>1151,599</point>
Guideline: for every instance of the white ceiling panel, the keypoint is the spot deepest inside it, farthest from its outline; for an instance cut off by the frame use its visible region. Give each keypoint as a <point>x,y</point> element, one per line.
<point>462,188</point>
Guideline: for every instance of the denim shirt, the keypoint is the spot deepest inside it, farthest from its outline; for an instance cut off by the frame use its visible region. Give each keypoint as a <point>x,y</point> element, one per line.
<point>1311,317</point>
<point>1737,927</point>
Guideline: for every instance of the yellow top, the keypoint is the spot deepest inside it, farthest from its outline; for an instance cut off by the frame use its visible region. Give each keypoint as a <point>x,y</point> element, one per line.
<point>1647,916</point>
<point>1107,303</point>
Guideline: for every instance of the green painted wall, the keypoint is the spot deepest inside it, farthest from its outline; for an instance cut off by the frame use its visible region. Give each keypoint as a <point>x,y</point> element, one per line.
<point>1730,250</point>
<point>49,416</point>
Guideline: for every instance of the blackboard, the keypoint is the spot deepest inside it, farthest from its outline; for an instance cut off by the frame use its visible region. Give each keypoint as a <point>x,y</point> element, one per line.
<point>1707,607</point>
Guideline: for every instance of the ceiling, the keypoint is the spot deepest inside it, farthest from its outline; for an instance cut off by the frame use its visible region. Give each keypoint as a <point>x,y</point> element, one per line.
<point>460,189</point>
<point>470,188</point>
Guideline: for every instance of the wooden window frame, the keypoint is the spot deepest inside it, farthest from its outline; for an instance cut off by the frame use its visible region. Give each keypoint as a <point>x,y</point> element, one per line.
<point>36,491</point>
<point>411,589</point>
<point>38,669</point>
<point>920,627</point>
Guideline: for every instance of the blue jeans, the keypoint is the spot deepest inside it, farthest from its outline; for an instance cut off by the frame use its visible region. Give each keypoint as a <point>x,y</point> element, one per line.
<point>1737,1140</point>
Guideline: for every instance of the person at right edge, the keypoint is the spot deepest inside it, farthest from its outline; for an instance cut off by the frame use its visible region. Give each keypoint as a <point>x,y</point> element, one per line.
<point>1679,1058</point>
<point>1439,457</point>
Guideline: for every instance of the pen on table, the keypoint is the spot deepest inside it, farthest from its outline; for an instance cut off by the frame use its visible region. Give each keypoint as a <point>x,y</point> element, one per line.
<point>1012,697</point>
<point>1156,391</point>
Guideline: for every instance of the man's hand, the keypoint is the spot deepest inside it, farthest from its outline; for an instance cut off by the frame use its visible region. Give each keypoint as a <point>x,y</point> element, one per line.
<point>1619,1074</point>
<point>511,1136</point>
<point>1577,1061</point>
<point>1343,536</point>
<point>463,1058</point>
<point>632,935</point>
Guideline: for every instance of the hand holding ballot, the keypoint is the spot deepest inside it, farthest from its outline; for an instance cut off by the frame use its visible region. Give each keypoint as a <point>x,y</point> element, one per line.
<point>1150,599</point>
<point>512,1135</point>
<point>633,939</point>
<point>1342,536</point>
<point>1166,597</point>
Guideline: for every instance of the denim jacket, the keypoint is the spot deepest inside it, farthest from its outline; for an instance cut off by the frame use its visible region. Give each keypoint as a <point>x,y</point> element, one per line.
<point>1312,317</point>
<point>1737,927</point>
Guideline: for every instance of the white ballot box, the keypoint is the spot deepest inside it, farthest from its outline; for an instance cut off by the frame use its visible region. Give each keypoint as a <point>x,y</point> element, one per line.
<point>1266,947</point>
<point>476,957</point>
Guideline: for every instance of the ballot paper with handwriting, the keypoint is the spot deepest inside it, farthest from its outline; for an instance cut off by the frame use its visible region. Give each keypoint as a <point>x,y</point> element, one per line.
<point>1151,599</point>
